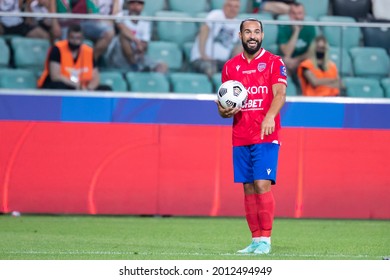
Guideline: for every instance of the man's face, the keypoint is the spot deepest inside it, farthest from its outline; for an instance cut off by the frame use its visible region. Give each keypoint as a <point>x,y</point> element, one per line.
<point>135,7</point>
<point>297,13</point>
<point>231,8</point>
<point>75,40</point>
<point>251,36</point>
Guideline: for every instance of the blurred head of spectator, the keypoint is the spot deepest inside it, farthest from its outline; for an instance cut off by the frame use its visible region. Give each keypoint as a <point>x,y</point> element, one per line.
<point>231,8</point>
<point>297,11</point>
<point>318,75</point>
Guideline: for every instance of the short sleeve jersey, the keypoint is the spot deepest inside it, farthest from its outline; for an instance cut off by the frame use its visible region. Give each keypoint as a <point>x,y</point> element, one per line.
<point>258,76</point>
<point>306,36</point>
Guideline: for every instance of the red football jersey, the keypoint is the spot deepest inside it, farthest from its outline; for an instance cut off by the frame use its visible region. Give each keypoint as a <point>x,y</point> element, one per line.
<point>257,76</point>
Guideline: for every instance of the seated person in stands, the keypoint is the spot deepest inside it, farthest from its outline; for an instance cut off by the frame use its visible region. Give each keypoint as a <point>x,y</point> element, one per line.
<point>42,7</point>
<point>318,75</point>
<point>18,25</point>
<point>294,40</point>
<point>99,31</point>
<point>71,65</point>
<point>217,41</point>
<point>275,7</point>
<point>127,51</point>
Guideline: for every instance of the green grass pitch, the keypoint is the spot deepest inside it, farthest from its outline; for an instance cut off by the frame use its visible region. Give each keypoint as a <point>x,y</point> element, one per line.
<point>36,237</point>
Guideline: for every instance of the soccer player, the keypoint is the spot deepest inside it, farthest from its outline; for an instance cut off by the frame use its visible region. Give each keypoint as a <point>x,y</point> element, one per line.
<point>256,128</point>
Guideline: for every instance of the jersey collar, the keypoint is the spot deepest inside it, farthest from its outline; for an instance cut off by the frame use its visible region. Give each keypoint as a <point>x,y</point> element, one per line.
<point>257,57</point>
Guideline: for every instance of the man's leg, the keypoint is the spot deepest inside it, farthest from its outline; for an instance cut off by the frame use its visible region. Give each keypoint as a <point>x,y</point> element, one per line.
<point>265,214</point>
<point>127,49</point>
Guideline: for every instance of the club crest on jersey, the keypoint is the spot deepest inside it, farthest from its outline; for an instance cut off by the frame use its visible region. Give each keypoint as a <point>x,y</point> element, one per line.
<point>261,66</point>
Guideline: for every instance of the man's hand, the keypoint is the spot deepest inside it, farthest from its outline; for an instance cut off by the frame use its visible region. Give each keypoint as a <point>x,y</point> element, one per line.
<point>226,112</point>
<point>267,126</point>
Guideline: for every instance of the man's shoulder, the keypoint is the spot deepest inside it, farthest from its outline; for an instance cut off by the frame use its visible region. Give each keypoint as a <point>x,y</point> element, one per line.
<point>271,56</point>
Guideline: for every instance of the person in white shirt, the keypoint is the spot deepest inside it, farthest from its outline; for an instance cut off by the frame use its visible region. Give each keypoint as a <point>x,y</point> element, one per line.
<point>217,40</point>
<point>128,49</point>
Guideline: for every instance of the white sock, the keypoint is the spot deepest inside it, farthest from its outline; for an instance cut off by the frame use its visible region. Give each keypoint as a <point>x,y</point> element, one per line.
<point>265,239</point>
<point>256,239</point>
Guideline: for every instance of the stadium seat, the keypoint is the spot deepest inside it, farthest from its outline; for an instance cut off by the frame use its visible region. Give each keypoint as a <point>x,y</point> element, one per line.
<point>29,53</point>
<point>377,37</point>
<point>363,87</point>
<point>147,82</point>
<point>17,79</point>
<point>190,83</point>
<point>5,54</point>
<point>168,52</point>
<point>218,4</point>
<point>370,62</point>
<point>191,7</point>
<point>386,86</point>
<point>151,7</point>
<point>350,35</point>
<point>343,60</point>
<point>114,80</point>
<point>175,31</point>
<point>216,81</point>
<point>317,9</point>
<point>186,48</point>
<point>358,9</point>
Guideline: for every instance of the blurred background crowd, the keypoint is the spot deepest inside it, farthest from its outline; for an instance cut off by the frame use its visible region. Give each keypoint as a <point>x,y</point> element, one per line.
<point>330,47</point>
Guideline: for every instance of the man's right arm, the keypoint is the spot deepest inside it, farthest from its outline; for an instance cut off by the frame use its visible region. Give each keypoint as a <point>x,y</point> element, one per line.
<point>288,48</point>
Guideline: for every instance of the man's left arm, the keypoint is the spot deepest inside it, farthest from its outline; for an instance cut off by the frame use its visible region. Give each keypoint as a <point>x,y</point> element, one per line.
<point>268,124</point>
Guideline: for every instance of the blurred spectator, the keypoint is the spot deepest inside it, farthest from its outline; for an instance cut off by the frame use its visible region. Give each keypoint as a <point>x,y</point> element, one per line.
<point>70,65</point>
<point>217,41</point>
<point>42,7</point>
<point>318,75</point>
<point>380,9</point>
<point>19,25</point>
<point>100,32</point>
<point>275,7</point>
<point>128,49</point>
<point>294,40</point>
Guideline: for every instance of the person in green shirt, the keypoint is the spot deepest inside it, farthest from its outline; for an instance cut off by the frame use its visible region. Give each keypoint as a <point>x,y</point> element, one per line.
<point>294,40</point>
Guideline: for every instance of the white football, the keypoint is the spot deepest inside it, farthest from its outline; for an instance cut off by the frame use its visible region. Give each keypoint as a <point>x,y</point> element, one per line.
<point>232,94</point>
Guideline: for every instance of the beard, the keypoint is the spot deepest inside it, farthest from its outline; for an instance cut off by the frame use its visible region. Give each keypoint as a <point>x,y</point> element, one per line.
<point>251,50</point>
